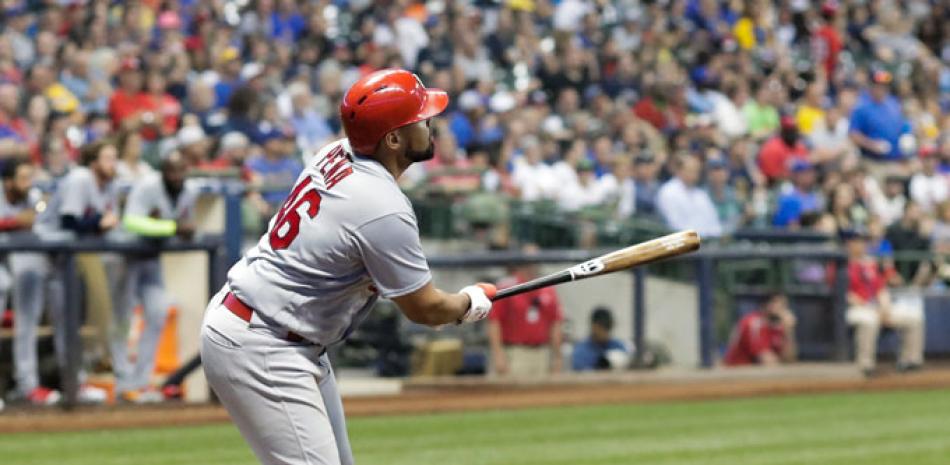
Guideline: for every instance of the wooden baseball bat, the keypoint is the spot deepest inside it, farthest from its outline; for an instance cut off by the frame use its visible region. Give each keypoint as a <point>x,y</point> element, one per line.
<point>645,252</point>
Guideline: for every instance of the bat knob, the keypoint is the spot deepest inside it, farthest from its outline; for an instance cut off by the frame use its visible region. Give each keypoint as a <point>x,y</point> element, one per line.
<point>490,290</point>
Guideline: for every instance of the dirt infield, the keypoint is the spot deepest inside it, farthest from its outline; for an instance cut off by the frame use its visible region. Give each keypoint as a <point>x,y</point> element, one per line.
<point>477,394</point>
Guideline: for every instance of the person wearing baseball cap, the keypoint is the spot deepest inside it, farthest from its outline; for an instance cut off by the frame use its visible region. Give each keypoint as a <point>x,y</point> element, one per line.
<point>802,199</point>
<point>600,351</point>
<point>128,104</point>
<point>778,152</point>
<point>878,121</point>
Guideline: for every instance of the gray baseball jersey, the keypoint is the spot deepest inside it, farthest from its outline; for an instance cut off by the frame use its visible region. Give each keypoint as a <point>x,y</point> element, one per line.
<point>345,235</point>
<point>7,209</point>
<point>78,194</point>
<point>149,197</point>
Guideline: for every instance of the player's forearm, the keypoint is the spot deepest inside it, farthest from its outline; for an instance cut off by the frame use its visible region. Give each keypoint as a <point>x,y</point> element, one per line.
<point>449,309</point>
<point>433,307</point>
<point>81,225</point>
<point>10,223</point>
<point>149,227</point>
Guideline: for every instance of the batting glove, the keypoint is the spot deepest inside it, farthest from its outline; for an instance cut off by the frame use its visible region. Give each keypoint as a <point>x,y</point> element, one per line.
<point>480,296</point>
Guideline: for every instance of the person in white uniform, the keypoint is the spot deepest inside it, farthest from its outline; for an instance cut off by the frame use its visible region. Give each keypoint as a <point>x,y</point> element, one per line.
<point>159,206</point>
<point>345,236</point>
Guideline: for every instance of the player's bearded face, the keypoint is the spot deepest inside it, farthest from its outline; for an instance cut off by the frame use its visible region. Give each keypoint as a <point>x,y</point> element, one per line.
<point>420,144</point>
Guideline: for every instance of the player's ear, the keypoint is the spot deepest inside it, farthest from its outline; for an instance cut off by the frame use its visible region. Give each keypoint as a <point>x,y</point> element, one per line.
<point>393,139</point>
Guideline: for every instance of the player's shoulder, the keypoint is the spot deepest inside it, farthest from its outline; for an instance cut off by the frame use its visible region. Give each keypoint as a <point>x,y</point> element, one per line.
<point>78,173</point>
<point>370,191</point>
<point>149,181</point>
<point>79,177</point>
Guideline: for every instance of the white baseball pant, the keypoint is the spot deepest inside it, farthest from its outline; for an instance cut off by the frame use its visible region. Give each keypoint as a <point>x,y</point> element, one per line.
<point>282,395</point>
<point>32,280</point>
<point>140,282</point>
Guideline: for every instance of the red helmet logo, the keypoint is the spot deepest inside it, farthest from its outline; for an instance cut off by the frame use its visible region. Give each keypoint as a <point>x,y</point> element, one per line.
<point>383,101</point>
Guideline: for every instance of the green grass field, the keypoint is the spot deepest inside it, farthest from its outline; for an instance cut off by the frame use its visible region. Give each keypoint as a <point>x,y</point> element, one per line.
<point>867,429</point>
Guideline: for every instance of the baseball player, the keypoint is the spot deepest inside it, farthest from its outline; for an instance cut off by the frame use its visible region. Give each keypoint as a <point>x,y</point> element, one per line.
<point>86,203</point>
<point>345,236</point>
<point>157,207</point>
<point>30,273</point>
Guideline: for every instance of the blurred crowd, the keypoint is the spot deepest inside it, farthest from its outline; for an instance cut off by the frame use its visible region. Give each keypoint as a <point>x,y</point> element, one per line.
<point>717,115</point>
<point>789,115</point>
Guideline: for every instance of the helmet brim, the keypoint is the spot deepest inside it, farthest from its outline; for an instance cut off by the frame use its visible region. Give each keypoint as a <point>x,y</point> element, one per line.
<point>436,102</point>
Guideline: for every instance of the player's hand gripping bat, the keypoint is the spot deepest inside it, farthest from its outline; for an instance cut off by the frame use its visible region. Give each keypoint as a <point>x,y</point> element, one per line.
<point>645,252</point>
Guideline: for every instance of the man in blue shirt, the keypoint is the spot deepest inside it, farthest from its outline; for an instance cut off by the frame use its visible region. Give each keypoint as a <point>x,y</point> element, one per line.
<point>878,122</point>
<point>802,199</point>
<point>600,351</point>
<point>275,170</point>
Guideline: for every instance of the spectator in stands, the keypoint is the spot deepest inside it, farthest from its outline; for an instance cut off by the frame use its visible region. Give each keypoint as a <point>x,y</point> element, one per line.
<point>646,186</point>
<point>929,187</point>
<point>827,42</point>
<point>909,235</point>
<point>130,166</point>
<point>829,138</point>
<point>584,192</point>
<point>13,129</point>
<point>465,121</point>
<point>811,112</point>
<point>940,235</point>
<point>760,114</point>
<point>228,75</point>
<point>765,336</point>
<point>804,199</point>
<point>845,208</point>
<point>449,169</point>
<point>312,129</point>
<point>192,142</point>
<point>600,351</point>
<point>890,205</point>
<point>128,106</point>
<point>870,307</point>
<point>233,149</point>
<point>878,122</point>
<point>524,331</point>
<point>165,109</point>
<point>535,179</point>
<point>275,169</point>
<point>685,205</point>
<point>723,194</point>
<point>779,151</point>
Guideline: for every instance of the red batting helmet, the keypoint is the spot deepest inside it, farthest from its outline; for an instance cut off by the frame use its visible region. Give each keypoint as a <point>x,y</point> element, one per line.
<point>383,101</point>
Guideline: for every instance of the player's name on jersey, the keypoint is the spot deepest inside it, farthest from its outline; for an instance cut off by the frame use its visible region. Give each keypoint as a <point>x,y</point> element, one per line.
<point>335,167</point>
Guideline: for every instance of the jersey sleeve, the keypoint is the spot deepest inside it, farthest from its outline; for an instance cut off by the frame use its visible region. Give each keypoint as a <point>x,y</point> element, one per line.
<point>75,195</point>
<point>392,254</point>
<point>141,199</point>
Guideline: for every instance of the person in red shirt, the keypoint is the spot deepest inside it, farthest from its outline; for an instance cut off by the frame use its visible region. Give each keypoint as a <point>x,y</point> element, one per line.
<point>870,306</point>
<point>765,336</point>
<point>166,110</point>
<point>827,41</point>
<point>778,152</point>
<point>128,106</point>
<point>525,330</point>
